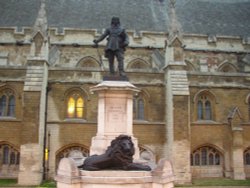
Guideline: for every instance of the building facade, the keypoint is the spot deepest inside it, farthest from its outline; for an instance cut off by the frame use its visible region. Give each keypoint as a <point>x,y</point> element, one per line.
<point>190,59</point>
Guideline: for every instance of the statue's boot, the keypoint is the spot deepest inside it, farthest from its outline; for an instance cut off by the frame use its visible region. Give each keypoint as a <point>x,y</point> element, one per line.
<point>122,73</point>
<point>121,69</point>
<point>111,68</point>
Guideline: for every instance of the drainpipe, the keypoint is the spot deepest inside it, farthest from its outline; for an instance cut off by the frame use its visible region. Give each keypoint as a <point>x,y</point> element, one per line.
<point>45,150</point>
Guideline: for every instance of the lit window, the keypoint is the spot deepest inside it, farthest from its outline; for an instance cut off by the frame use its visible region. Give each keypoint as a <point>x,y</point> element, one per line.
<point>75,106</point>
<point>205,156</point>
<point>79,107</point>
<point>71,107</point>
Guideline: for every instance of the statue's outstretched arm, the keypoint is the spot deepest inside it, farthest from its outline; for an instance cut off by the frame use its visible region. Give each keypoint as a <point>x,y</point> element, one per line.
<point>103,36</point>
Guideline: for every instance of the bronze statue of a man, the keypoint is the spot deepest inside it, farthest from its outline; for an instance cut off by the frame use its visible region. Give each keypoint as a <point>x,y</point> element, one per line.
<point>117,42</point>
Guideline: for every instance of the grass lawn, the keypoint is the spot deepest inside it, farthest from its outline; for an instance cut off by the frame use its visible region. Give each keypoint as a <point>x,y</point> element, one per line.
<point>50,183</point>
<point>13,183</point>
<point>221,182</point>
<point>7,182</point>
<point>196,182</point>
<point>218,182</point>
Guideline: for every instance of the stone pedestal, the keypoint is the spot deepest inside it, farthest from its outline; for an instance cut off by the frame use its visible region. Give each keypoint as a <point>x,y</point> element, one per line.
<point>115,114</point>
<point>68,176</point>
<point>115,117</point>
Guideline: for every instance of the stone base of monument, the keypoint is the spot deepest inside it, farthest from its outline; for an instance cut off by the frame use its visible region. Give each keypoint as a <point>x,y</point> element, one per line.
<point>69,176</point>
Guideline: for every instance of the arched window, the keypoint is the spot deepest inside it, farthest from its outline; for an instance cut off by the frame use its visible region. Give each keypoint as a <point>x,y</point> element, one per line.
<point>88,63</point>
<point>11,106</point>
<point>189,66</point>
<point>5,155</point>
<point>200,110</point>
<point>76,152</point>
<point>204,106</point>
<point>211,159</point>
<point>197,159</point>
<point>147,154</point>
<point>12,158</point>
<point>75,105</point>
<point>9,155</point>
<point>227,68</point>
<point>18,158</point>
<point>7,103</point>
<point>3,105</point>
<point>217,159</point>
<point>208,110</point>
<point>249,108</point>
<point>138,65</point>
<point>205,156</point>
<point>138,108</point>
<point>247,156</point>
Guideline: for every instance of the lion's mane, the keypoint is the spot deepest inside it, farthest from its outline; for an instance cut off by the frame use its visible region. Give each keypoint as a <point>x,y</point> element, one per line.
<point>119,155</point>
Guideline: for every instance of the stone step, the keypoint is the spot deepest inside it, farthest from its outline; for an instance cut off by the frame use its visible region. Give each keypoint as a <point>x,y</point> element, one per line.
<point>213,186</point>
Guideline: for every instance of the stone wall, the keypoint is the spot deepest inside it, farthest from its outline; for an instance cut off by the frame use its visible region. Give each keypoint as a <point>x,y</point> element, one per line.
<point>205,61</point>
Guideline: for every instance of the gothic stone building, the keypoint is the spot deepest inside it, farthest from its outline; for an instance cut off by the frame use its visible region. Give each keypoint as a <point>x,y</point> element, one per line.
<point>189,58</point>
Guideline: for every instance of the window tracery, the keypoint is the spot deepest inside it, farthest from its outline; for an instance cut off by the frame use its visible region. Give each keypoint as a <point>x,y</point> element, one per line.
<point>247,156</point>
<point>76,152</point>
<point>204,106</point>
<point>138,64</point>
<point>138,108</point>
<point>7,103</point>
<point>88,63</point>
<point>249,108</point>
<point>9,155</point>
<point>75,105</point>
<point>205,156</point>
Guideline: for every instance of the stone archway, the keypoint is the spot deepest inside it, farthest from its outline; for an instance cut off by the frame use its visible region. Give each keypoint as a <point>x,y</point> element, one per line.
<point>207,161</point>
<point>9,160</point>
<point>75,151</point>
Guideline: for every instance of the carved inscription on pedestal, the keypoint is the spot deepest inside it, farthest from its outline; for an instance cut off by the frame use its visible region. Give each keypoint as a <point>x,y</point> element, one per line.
<point>116,115</point>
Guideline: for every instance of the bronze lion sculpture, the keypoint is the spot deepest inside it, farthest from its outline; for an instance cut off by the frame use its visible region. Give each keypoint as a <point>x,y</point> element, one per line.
<point>118,156</point>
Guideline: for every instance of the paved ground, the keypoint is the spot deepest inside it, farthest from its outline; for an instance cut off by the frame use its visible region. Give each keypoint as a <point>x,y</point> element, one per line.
<point>217,187</point>
<point>175,187</point>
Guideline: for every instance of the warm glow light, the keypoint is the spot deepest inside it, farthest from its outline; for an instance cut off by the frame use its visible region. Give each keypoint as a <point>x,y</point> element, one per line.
<point>46,154</point>
<point>71,107</point>
<point>79,106</point>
